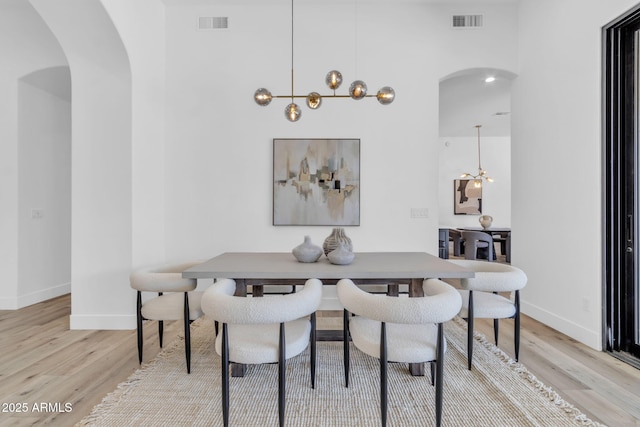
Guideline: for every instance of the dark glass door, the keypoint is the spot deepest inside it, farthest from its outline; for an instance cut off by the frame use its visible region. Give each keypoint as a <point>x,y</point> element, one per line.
<point>621,186</point>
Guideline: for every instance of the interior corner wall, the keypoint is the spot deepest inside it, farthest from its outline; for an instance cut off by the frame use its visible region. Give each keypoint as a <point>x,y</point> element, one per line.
<point>101,162</point>
<point>146,51</point>
<point>556,166</point>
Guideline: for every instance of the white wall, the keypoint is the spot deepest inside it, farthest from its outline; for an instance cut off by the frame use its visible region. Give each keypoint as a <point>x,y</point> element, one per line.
<point>556,169</point>
<point>27,45</point>
<point>44,185</point>
<point>460,155</point>
<point>219,142</point>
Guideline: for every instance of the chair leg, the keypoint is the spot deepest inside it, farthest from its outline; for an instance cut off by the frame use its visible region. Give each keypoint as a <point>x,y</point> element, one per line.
<point>282,367</point>
<point>187,333</point>
<point>383,373</point>
<point>160,326</point>
<point>516,332</point>
<point>470,330</point>
<point>439,373</point>
<point>433,371</point>
<point>496,327</point>
<point>313,350</point>
<point>345,345</point>
<point>139,322</point>
<point>225,375</point>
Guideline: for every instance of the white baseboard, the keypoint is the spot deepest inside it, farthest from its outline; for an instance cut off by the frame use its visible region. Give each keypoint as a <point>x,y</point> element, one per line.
<point>102,321</point>
<point>34,297</point>
<point>588,337</point>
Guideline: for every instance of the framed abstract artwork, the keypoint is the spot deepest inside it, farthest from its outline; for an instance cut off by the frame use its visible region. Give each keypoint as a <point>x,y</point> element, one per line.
<point>316,182</point>
<point>467,197</point>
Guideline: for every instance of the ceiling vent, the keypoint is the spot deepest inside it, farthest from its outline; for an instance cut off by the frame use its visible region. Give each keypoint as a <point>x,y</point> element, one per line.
<point>467,21</point>
<point>212,22</point>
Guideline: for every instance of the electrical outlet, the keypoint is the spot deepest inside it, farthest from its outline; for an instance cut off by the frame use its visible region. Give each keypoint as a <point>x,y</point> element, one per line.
<point>37,213</point>
<point>419,213</point>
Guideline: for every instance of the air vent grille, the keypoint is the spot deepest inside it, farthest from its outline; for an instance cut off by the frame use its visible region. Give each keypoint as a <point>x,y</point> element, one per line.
<point>212,22</point>
<point>467,21</point>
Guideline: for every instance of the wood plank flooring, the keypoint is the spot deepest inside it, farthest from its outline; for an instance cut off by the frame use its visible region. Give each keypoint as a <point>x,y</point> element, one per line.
<point>42,361</point>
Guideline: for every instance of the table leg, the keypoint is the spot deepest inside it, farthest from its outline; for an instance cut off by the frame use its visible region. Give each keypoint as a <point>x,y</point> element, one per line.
<point>415,290</point>
<point>239,369</point>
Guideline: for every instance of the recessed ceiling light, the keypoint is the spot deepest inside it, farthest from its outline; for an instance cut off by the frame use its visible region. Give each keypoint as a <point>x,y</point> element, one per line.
<point>489,79</point>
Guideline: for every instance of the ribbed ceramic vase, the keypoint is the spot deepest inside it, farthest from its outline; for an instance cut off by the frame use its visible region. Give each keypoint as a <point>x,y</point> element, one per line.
<point>307,251</point>
<point>336,236</point>
<point>341,255</point>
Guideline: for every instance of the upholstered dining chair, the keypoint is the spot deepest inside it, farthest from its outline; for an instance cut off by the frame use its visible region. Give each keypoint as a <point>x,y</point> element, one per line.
<point>263,330</point>
<point>399,329</point>
<point>475,241</point>
<point>176,300</point>
<point>481,298</point>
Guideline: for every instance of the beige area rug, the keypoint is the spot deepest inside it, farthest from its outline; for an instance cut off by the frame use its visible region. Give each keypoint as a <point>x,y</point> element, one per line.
<point>497,392</point>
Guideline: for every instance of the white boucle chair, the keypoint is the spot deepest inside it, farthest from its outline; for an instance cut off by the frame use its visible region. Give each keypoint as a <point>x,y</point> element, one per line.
<point>263,330</point>
<point>399,329</point>
<point>481,298</point>
<point>176,300</point>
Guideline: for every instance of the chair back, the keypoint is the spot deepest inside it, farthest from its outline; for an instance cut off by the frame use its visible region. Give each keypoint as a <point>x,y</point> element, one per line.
<point>492,277</point>
<point>163,278</point>
<point>440,303</point>
<point>220,303</point>
<point>473,240</point>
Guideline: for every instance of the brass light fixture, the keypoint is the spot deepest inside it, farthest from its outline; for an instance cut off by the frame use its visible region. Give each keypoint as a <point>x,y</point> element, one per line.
<point>357,91</point>
<point>482,174</point>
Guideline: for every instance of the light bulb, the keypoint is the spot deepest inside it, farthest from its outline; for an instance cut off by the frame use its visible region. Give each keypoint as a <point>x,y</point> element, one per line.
<point>292,112</point>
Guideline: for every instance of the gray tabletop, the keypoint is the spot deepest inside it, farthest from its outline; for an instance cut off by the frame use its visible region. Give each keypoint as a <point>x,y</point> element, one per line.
<point>366,265</point>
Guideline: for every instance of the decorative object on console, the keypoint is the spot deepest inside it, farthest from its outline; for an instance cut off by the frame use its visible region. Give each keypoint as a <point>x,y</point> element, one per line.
<point>307,251</point>
<point>336,237</point>
<point>357,90</point>
<point>341,255</point>
<point>482,174</point>
<point>467,198</point>
<point>485,221</point>
<point>316,182</point>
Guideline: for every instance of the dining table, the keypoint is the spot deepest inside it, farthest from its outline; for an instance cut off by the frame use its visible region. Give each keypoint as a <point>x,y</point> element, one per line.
<point>258,269</point>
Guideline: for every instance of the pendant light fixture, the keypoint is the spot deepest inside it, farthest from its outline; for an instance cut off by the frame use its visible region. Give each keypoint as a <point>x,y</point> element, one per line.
<point>482,174</point>
<point>333,79</point>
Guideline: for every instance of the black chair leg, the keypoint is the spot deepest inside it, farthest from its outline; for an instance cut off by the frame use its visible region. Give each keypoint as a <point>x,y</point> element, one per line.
<point>187,333</point>
<point>496,326</point>
<point>439,373</point>
<point>282,367</point>
<point>345,343</point>
<point>470,330</point>
<point>139,323</point>
<point>383,373</point>
<point>313,350</point>
<point>516,332</point>
<point>160,327</point>
<point>225,375</point>
<point>433,371</point>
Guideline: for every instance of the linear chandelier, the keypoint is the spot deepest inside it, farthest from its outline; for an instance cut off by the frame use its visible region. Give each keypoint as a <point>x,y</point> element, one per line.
<point>357,91</point>
<point>482,174</point>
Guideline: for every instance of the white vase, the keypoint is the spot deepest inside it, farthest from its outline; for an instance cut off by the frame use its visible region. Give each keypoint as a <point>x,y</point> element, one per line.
<point>485,221</point>
<point>341,255</point>
<point>307,251</point>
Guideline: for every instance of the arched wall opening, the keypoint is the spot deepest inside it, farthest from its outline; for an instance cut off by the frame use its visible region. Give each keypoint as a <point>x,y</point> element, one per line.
<point>101,152</point>
<point>467,99</point>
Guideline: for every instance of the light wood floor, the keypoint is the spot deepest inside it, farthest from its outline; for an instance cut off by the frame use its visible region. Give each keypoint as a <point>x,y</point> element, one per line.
<point>42,361</point>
